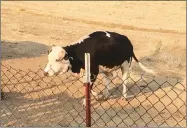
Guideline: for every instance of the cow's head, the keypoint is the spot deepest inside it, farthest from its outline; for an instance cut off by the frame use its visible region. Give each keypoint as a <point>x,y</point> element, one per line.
<point>58,61</point>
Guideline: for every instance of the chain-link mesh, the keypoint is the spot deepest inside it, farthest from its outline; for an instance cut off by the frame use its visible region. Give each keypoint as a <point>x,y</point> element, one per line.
<point>30,99</point>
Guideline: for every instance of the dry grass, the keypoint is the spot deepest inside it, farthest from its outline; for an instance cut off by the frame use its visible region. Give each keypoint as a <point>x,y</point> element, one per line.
<point>170,53</point>
<point>37,25</point>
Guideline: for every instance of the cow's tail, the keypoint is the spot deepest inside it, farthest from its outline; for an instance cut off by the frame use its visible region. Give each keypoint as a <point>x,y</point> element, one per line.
<point>142,66</point>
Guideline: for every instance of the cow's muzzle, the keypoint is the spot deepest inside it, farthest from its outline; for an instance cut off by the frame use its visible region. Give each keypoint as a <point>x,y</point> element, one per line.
<point>46,73</point>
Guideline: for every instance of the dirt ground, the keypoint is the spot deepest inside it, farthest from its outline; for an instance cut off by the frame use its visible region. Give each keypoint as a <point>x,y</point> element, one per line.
<point>157,30</point>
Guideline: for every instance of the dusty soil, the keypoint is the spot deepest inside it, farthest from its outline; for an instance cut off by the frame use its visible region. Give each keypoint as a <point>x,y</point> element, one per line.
<point>156,29</point>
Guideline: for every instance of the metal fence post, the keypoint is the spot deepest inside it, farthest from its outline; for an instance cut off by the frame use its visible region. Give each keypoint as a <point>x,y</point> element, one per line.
<point>87,89</point>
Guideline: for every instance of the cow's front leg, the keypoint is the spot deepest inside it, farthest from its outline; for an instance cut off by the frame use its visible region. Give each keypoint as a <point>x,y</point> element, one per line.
<point>94,73</point>
<point>95,94</point>
<point>93,79</point>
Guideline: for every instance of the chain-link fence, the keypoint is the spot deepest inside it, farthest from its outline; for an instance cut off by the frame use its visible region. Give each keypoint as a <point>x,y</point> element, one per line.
<point>30,99</point>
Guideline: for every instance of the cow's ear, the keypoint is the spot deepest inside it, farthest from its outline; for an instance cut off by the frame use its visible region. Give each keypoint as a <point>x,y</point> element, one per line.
<point>66,57</point>
<point>49,50</point>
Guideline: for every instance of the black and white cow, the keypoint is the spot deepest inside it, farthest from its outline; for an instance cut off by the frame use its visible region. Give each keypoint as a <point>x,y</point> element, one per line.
<point>108,51</point>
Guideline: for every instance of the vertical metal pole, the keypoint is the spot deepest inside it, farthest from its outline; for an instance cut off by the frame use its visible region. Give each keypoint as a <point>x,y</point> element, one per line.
<point>87,89</point>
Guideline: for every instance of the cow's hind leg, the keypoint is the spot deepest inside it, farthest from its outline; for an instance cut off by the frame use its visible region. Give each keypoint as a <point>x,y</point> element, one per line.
<point>125,74</point>
<point>107,82</point>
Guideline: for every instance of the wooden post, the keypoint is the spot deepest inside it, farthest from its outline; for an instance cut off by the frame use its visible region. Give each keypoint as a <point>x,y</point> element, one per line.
<point>87,89</point>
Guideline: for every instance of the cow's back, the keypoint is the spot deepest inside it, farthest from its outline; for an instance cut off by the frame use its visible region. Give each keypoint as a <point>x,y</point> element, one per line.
<point>108,49</point>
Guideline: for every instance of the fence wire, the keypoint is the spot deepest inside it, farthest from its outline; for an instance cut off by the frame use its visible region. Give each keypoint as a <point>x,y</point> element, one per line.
<point>30,99</point>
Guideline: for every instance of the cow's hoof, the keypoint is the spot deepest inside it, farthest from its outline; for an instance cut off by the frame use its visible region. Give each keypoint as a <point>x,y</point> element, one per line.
<point>123,98</point>
<point>99,97</point>
<point>2,96</point>
<point>127,98</point>
<point>105,97</point>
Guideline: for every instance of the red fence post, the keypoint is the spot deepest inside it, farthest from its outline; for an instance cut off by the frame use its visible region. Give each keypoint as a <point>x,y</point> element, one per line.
<point>88,108</point>
<point>87,89</point>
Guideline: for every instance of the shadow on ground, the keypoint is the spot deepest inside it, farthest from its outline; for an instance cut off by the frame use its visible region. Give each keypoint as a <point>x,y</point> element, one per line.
<point>19,49</point>
<point>141,83</point>
<point>57,101</point>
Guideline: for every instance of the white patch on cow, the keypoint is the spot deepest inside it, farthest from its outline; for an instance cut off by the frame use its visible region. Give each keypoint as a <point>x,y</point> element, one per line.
<point>107,34</point>
<point>108,71</point>
<point>81,39</point>
<point>56,64</point>
<point>125,76</point>
<point>47,68</point>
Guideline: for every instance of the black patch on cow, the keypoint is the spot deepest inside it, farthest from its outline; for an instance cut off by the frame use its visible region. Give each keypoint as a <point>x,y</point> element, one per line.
<point>106,51</point>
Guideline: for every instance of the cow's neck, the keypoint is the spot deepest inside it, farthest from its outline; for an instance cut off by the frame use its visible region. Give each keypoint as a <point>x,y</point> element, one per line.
<point>76,65</point>
<point>70,50</point>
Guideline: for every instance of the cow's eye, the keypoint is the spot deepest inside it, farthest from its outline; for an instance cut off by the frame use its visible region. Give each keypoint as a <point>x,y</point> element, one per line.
<point>59,59</point>
<point>66,57</point>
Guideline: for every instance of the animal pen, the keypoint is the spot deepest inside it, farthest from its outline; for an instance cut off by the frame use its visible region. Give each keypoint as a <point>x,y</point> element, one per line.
<point>31,99</point>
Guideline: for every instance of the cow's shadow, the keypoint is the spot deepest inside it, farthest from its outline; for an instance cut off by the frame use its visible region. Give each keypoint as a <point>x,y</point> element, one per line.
<point>19,49</point>
<point>141,83</point>
<point>144,85</point>
<point>35,106</point>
